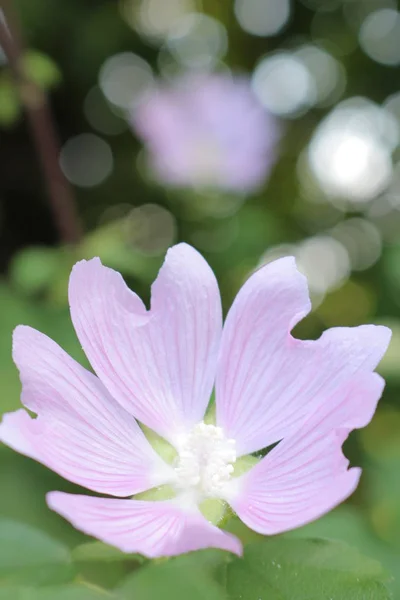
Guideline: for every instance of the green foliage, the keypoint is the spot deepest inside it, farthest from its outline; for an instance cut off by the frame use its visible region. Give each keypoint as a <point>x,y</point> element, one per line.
<point>99,552</point>
<point>350,525</point>
<point>64,592</point>
<point>10,107</point>
<point>41,69</point>
<point>33,566</point>
<point>299,569</point>
<point>181,578</point>
<point>33,269</point>
<point>28,556</point>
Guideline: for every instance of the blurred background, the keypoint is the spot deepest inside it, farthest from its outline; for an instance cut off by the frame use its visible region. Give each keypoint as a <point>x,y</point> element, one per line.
<point>250,129</point>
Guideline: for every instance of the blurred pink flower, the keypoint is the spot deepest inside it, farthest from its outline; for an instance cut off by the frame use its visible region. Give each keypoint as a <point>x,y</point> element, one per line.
<point>159,366</point>
<point>208,131</point>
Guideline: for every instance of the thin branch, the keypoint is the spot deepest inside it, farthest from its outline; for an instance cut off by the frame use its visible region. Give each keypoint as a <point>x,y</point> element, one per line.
<point>34,100</point>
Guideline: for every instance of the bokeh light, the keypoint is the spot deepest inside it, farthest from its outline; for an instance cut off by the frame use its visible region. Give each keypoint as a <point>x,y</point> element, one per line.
<point>327,72</point>
<point>362,240</point>
<point>86,160</point>
<point>325,262</point>
<point>262,17</point>
<point>125,79</point>
<point>323,259</point>
<point>150,228</point>
<point>284,85</point>
<point>197,41</point>
<point>290,83</point>
<point>384,211</point>
<point>154,19</point>
<point>380,36</point>
<point>392,104</point>
<point>100,114</point>
<point>350,152</point>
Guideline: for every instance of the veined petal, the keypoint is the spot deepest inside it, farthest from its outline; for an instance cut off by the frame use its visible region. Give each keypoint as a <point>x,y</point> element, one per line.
<point>160,365</point>
<point>269,382</point>
<point>151,528</point>
<point>306,475</point>
<point>80,431</point>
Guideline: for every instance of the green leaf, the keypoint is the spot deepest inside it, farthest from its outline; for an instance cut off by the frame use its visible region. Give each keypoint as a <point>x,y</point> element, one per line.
<point>210,561</point>
<point>10,106</point>
<point>389,366</point>
<point>97,551</point>
<point>64,592</point>
<point>41,69</point>
<point>184,578</point>
<point>28,556</point>
<point>237,527</point>
<point>305,569</point>
<point>33,269</point>
<point>348,524</point>
<point>104,565</point>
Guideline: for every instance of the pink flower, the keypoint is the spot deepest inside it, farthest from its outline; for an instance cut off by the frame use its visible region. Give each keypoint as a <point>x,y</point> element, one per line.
<point>159,366</point>
<point>208,131</point>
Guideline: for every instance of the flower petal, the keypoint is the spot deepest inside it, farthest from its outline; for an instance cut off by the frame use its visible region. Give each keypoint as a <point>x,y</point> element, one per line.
<point>80,432</point>
<point>268,381</point>
<point>151,528</point>
<point>306,475</point>
<point>160,365</point>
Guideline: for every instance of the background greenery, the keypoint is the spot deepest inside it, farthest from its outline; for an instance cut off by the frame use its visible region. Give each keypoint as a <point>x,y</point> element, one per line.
<point>68,42</point>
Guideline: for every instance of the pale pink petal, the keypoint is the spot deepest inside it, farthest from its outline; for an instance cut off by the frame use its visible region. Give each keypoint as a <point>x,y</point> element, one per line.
<point>268,381</point>
<point>15,432</point>
<point>306,475</point>
<point>351,406</point>
<point>160,365</point>
<point>151,528</point>
<point>80,431</point>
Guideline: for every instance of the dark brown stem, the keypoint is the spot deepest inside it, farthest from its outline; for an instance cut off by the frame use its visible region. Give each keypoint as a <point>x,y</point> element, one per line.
<point>34,100</point>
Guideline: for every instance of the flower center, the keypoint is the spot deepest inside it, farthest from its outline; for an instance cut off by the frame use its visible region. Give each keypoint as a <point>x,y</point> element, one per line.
<point>205,461</point>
